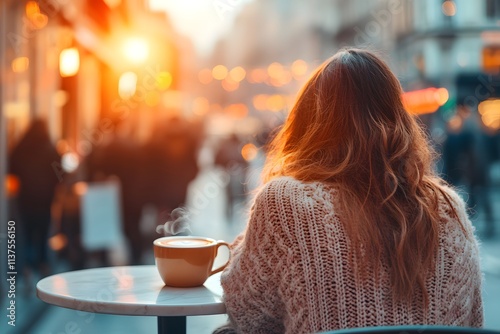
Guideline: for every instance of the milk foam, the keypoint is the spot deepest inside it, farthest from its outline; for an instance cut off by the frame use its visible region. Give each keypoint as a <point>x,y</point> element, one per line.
<point>186,242</point>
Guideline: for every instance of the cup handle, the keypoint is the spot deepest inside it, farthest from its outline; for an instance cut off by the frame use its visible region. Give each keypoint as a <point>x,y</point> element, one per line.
<point>221,243</point>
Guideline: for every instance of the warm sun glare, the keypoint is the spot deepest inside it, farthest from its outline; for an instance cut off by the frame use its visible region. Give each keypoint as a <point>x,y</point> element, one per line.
<point>136,50</point>
<point>203,21</point>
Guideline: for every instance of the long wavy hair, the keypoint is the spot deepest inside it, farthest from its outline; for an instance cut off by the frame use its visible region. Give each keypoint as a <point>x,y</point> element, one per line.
<point>349,128</point>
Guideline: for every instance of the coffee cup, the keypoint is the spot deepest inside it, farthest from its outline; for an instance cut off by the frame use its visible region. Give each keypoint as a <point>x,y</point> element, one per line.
<point>187,261</point>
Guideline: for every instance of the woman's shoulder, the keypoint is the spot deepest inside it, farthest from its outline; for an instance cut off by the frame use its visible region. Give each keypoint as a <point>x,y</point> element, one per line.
<point>281,182</point>
<point>453,193</point>
<point>286,192</point>
<point>453,209</point>
<point>450,199</point>
<point>286,186</point>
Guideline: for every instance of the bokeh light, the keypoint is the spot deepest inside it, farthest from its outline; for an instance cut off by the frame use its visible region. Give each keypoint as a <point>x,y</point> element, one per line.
<point>20,64</point>
<point>441,95</point>
<point>219,72</point>
<point>37,19</point>
<point>260,102</point>
<point>490,113</point>
<point>249,152</point>
<point>12,185</point>
<point>455,123</point>
<point>276,103</point>
<point>69,162</point>
<point>69,62</point>
<point>275,70</point>
<point>80,188</point>
<point>424,101</point>
<point>299,68</point>
<point>205,76</point>
<point>449,8</point>
<point>237,74</point>
<point>136,50</point>
<point>164,80</point>
<point>127,85</point>
<point>58,242</point>
<point>32,8</point>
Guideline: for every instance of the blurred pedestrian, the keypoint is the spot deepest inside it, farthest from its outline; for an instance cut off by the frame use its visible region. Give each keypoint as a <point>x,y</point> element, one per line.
<point>467,160</point>
<point>123,158</point>
<point>172,163</point>
<point>66,211</point>
<point>229,157</point>
<point>35,162</point>
<point>452,146</point>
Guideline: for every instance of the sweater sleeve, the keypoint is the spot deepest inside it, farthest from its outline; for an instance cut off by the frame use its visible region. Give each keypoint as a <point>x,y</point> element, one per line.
<point>468,273</point>
<point>250,288</point>
<point>477,312</point>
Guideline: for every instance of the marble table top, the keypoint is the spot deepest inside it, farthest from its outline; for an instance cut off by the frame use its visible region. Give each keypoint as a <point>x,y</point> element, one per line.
<point>131,290</point>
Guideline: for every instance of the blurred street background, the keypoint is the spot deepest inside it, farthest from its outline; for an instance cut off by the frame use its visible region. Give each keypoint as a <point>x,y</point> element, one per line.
<point>117,113</point>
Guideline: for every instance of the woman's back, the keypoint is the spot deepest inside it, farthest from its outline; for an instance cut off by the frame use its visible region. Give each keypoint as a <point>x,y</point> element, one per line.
<point>298,273</point>
<point>385,243</point>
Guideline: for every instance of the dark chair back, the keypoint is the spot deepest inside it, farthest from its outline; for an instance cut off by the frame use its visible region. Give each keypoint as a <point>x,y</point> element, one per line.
<point>414,329</point>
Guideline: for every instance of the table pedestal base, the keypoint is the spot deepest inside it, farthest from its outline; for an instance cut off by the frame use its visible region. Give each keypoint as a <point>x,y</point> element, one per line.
<point>172,325</point>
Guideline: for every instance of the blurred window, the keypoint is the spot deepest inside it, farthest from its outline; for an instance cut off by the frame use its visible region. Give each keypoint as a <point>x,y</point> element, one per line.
<point>492,8</point>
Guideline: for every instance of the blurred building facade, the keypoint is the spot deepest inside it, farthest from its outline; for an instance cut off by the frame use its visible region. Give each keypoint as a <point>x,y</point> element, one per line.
<point>450,44</point>
<point>277,43</point>
<point>279,37</point>
<point>453,44</point>
<point>65,60</point>
<point>435,43</point>
<point>83,66</point>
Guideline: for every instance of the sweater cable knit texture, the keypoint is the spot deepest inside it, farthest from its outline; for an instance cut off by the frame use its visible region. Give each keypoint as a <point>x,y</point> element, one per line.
<point>293,270</point>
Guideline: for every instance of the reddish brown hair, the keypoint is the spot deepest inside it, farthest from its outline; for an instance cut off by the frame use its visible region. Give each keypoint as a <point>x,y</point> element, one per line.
<point>349,128</point>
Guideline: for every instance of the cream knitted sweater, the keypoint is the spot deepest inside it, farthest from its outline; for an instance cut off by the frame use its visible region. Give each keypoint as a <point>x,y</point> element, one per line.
<point>293,271</point>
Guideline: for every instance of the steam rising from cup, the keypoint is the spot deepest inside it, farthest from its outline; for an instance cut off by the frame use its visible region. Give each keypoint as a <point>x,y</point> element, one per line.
<point>178,223</point>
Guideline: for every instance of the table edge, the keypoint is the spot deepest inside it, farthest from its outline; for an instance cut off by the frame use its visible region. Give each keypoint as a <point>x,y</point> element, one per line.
<point>119,308</point>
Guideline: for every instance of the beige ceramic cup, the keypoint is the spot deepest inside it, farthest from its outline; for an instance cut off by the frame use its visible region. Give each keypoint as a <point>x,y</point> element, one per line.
<point>186,261</point>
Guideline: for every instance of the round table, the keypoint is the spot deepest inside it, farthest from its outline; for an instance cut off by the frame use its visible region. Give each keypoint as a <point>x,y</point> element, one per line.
<point>132,290</point>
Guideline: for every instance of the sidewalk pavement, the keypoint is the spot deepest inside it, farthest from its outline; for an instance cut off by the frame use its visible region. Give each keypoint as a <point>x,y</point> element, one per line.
<point>28,309</point>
